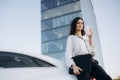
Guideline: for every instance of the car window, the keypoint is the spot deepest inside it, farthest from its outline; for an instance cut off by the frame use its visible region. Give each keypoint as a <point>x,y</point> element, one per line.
<point>16,61</point>
<point>42,63</point>
<point>19,60</point>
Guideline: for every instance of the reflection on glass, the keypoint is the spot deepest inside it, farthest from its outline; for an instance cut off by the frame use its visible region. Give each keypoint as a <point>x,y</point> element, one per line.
<point>54,46</point>
<point>47,4</point>
<point>59,21</point>
<point>57,55</point>
<point>65,9</point>
<point>55,34</point>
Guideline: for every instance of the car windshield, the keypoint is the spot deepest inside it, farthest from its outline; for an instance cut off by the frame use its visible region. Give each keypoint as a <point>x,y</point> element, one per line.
<point>11,60</point>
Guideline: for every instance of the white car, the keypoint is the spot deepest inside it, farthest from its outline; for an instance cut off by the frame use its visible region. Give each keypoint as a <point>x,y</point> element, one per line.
<point>22,66</point>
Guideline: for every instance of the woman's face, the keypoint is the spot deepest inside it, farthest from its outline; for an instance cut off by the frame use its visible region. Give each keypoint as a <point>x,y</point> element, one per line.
<point>79,25</point>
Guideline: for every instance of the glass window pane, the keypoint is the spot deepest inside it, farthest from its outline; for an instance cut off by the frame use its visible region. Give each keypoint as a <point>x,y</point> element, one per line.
<point>47,24</point>
<point>55,46</point>
<point>55,34</point>
<point>66,20</point>
<point>58,22</point>
<point>62,20</point>
<point>54,23</point>
<point>61,10</point>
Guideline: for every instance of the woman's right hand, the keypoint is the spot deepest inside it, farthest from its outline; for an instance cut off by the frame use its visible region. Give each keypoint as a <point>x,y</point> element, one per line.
<point>77,70</point>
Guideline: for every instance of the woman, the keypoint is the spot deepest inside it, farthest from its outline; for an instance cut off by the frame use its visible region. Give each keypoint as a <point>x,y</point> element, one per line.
<point>78,43</point>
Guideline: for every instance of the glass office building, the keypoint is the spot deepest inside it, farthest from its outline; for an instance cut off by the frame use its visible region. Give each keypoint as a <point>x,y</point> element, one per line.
<point>56,18</point>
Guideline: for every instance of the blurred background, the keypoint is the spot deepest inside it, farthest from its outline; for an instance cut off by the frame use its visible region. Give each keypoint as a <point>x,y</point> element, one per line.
<point>42,26</point>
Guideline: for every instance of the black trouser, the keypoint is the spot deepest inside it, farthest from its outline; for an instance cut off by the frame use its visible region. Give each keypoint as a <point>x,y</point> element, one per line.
<point>96,71</point>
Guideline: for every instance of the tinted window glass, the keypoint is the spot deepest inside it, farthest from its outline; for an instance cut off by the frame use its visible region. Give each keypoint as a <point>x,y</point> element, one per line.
<point>10,60</point>
<point>15,61</point>
<point>41,63</point>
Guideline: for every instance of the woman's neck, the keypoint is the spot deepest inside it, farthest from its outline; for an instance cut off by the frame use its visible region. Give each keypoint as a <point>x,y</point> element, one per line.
<point>79,33</point>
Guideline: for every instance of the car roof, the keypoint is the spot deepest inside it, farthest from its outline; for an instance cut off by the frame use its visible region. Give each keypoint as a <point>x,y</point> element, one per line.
<point>51,60</point>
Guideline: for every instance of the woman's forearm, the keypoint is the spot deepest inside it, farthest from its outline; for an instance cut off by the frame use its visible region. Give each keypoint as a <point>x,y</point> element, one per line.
<point>90,41</point>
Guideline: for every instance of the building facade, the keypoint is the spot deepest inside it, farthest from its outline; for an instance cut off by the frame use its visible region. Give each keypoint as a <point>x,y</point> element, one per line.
<point>56,18</point>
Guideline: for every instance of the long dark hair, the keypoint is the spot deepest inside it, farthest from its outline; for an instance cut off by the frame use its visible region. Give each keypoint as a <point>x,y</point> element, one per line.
<point>73,26</point>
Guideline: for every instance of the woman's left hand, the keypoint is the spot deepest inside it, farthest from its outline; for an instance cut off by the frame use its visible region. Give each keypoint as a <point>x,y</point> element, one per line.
<point>90,36</point>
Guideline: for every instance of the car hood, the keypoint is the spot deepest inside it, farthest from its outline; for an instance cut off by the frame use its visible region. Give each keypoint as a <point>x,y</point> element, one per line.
<point>37,73</point>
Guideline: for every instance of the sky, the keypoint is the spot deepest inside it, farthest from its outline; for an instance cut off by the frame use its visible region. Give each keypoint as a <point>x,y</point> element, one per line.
<point>108,21</point>
<point>20,25</point>
<point>15,18</point>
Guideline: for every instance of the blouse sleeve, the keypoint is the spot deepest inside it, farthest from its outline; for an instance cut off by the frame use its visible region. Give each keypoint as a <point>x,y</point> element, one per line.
<point>68,53</point>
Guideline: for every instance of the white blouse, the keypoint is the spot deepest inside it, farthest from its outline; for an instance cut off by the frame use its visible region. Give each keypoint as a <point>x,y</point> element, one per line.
<point>77,46</point>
